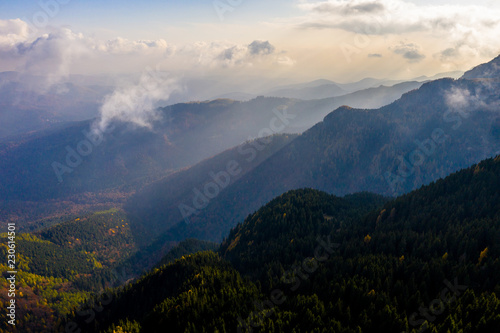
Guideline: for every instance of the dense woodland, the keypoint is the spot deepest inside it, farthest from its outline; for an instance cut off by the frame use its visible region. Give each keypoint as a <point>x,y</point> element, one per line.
<point>313,262</point>
<point>60,267</point>
<point>64,267</point>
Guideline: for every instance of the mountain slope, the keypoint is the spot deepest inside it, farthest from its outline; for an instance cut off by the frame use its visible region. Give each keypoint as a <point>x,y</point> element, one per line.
<point>59,267</point>
<point>354,150</point>
<point>428,260</point>
<point>282,230</point>
<point>183,194</point>
<point>490,70</point>
<point>186,288</point>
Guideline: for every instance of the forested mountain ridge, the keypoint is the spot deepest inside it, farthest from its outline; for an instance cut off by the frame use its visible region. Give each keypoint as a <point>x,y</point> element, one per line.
<point>428,260</point>
<point>288,224</point>
<point>71,265</point>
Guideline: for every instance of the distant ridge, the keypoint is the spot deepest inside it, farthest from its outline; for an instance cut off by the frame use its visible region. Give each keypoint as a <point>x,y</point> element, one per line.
<point>490,70</point>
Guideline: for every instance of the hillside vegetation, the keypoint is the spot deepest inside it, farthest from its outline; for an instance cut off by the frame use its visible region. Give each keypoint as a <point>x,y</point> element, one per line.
<point>313,262</point>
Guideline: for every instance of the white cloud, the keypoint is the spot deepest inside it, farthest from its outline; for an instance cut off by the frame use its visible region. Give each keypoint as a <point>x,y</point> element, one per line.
<point>231,56</point>
<point>51,53</point>
<point>12,32</point>
<point>464,100</point>
<point>56,52</point>
<point>225,54</point>
<point>396,16</point>
<point>49,56</point>
<point>285,61</point>
<point>137,103</point>
<point>124,46</point>
<point>465,30</point>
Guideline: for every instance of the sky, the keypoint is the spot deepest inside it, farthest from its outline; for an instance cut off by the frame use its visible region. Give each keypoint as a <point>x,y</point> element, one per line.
<point>341,40</point>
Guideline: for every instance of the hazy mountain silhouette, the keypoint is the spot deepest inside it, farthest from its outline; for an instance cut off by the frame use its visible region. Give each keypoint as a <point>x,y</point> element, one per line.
<point>429,133</point>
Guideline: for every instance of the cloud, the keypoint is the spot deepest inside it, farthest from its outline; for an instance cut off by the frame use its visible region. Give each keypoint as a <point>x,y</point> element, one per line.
<point>409,51</point>
<point>231,56</point>
<point>468,29</point>
<point>12,32</point>
<point>213,55</point>
<point>53,53</point>
<point>137,103</point>
<point>285,61</point>
<point>449,53</point>
<point>225,54</point>
<point>349,8</point>
<point>458,98</point>
<point>470,43</point>
<point>395,16</point>
<point>363,16</point>
<point>49,56</point>
<point>124,46</point>
<point>260,48</point>
<point>374,55</point>
<point>464,100</point>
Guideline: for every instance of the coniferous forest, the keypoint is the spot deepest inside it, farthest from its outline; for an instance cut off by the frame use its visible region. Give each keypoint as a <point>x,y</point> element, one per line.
<point>305,262</point>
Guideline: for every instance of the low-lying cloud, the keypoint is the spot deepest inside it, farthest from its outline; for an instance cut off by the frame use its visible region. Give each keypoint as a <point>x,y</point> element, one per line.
<point>465,100</point>
<point>137,103</point>
<point>50,56</point>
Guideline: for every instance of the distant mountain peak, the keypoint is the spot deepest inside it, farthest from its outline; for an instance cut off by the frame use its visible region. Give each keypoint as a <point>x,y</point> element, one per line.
<point>490,70</point>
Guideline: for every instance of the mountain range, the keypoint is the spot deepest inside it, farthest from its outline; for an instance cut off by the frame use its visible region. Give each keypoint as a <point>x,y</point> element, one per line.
<point>35,169</point>
<point>319,89</point>
<point>29,103</point>
<point>429,133</point>
<point>436,128</point>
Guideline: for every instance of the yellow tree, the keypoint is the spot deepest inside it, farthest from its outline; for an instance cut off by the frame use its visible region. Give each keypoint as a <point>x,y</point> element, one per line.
<point>367,239</point>
<point>483,255</point>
